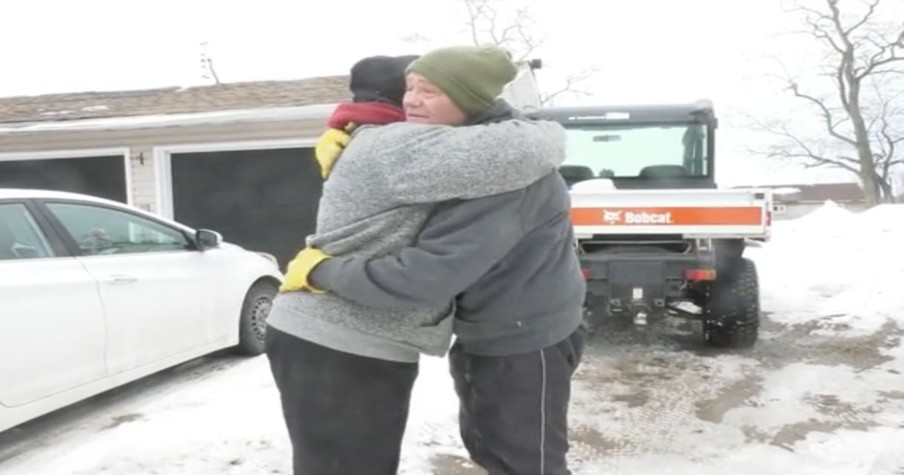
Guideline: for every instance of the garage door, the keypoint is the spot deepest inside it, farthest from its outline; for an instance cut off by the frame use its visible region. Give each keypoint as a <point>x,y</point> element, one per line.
<point>98,176</point>
<point>263,200</point>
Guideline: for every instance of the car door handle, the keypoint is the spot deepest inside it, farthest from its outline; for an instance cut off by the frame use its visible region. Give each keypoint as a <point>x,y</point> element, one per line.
<point>119,279</point>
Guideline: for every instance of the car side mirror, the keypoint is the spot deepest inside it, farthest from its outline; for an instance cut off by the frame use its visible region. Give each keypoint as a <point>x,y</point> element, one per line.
<point>207,239</point>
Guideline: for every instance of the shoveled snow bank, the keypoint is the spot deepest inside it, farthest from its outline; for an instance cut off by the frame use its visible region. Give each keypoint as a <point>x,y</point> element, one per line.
<point>836,267</point>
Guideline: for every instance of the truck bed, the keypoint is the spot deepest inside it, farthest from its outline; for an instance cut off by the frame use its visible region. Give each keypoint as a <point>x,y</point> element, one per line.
<point>714,214</point>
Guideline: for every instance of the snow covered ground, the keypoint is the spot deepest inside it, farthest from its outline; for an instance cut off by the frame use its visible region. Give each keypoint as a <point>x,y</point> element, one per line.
<point>822,393</point>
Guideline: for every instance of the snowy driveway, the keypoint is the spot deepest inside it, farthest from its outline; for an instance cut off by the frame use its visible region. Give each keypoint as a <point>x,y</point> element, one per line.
<point>822,393</point>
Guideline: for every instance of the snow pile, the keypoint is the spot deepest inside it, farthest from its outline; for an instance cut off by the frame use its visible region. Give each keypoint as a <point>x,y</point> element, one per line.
<point>887,218</point>
<point>829,221</point>
<point>837,268</point>
<point>829,213</point>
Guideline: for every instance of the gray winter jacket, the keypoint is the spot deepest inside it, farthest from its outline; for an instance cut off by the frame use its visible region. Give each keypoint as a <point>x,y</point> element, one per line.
<point>508,260</point>
<point>378,198</point>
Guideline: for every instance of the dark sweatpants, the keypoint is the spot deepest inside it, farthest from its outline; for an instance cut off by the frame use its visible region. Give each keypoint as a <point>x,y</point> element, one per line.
<point>345,413</point>
<point>513,411</point>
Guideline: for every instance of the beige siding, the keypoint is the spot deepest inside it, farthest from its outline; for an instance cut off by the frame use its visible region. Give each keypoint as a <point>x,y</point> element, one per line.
<point>141,143</point>
<point>143,186</point>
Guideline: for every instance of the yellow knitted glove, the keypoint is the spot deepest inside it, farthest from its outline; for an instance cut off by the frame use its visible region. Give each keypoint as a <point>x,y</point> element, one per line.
<point>329,146</point>
<point>300,268</point>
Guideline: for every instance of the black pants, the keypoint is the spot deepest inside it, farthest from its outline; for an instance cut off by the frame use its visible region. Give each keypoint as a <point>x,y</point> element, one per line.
<point>513,411</point>
<point>346,414</point>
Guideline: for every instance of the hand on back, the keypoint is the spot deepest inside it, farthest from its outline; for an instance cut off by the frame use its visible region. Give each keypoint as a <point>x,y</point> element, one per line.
<point>330,146</point>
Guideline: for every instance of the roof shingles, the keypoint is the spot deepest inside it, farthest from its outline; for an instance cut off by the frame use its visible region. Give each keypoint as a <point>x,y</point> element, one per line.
<point>174,100</point>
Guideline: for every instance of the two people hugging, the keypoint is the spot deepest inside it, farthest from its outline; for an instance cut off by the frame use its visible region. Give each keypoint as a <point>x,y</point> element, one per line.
<point>443,214</point>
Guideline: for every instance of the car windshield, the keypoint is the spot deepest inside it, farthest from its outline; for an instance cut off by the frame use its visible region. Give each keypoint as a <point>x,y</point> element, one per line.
<point>635,150</point>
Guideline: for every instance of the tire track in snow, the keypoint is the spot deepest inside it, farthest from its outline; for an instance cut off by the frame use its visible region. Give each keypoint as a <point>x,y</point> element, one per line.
<point>638,400</point>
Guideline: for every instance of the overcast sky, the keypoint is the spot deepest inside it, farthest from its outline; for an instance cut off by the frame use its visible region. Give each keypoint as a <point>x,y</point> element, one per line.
<point>647,50</point>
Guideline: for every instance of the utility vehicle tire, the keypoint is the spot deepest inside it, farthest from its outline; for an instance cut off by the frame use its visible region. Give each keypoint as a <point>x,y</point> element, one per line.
<point>253,321</point>
<point>733,308</point>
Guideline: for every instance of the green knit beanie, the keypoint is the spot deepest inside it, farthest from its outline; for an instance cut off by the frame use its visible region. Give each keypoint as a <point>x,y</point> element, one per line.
<point>472,76</point>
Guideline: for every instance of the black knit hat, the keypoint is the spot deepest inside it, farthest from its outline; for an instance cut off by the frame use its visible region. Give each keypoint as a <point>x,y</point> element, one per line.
<point>380,79</point>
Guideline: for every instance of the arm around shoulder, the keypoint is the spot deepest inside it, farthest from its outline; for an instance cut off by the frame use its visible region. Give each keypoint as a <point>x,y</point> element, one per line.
<point>460,243</point>
<point>439,163</point>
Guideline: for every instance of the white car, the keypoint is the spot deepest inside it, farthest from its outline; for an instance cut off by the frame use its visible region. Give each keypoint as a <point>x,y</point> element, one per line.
<point>95,294</point>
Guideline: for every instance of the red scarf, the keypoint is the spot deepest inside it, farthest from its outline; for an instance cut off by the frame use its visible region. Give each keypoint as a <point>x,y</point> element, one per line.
<point>371,113</point>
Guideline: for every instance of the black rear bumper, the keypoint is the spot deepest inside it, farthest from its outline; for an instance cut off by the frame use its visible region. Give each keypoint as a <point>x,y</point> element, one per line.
<point>628,284</point>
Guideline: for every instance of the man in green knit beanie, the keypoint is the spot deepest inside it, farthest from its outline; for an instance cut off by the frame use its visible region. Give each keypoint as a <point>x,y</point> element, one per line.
<point>460,83</point>
<point>505,262</point>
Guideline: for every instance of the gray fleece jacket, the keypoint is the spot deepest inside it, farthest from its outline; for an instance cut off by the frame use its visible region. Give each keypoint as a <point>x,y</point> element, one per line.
<point>507,259</point>
<point>378,198</point>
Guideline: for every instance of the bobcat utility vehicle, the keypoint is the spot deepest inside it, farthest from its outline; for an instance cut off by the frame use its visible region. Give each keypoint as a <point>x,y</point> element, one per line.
<point>655,235</point>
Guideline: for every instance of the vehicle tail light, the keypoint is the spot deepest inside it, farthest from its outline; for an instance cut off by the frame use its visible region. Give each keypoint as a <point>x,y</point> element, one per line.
<point>586,273</point>
<point>700,275</point>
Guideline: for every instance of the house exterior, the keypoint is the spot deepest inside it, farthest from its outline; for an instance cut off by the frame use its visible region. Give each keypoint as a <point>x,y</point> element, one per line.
<point>796,200</point>
<point>236,158</point>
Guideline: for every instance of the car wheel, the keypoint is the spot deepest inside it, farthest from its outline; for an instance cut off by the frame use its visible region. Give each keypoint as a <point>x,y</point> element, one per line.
<point>253,321</point>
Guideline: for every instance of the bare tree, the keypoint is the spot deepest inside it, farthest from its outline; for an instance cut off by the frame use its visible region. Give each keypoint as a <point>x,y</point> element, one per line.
<point>861,115</point>
<point>514,30</point>
<point>897,185</point>
<point>571,86</point>
<point>514,33</point>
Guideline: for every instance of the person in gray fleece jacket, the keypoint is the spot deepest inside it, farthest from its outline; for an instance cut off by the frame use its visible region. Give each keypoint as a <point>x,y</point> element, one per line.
<point>345,370</point>
<point>508,262</point>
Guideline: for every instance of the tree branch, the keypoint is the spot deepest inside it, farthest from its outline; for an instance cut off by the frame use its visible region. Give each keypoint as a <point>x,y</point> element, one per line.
<point>879,58</point>
<point>871,9</point>
<point>885,141</point>
<point>830,123</point>
<point>474,13</point>
<point>799,149</point>
<point>570,83</point>
<point>485,26</point>
<point>485,23</point>
<point>815,160</point>
<point>823,25</point>
<point>835,18</point>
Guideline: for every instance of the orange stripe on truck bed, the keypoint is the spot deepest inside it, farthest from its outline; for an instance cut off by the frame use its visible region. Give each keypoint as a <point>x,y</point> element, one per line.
<point>676,216</point>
